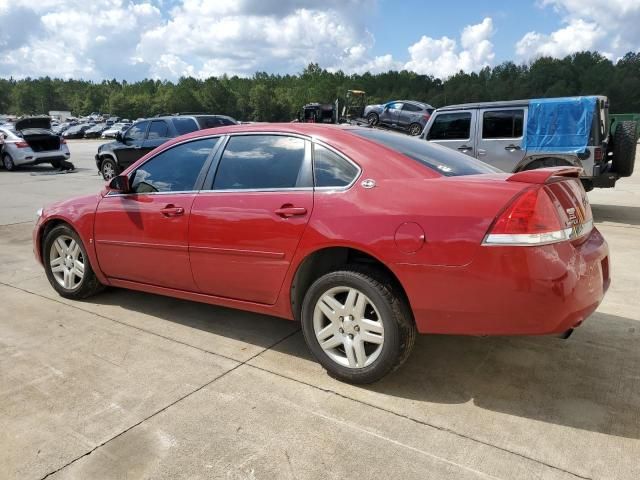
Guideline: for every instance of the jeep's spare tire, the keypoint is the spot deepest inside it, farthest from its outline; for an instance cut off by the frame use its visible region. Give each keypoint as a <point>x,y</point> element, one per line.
<point>624,148</point>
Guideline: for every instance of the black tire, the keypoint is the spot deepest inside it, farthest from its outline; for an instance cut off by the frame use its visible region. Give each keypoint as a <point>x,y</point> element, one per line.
<point>88,285</point>
<point>373,119</point>
<point>108,168</point>
<point>7,161</point>
<point>395,316</point>
<point>415,129</point>
<point>624,148</point>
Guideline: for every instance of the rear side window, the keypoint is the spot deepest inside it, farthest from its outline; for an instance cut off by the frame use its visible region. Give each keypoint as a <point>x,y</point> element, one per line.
<point>502,124</point>
<point>185,125</point>
<point>411,108</point>
<point>330,169</point>
<point>257,162</point>
<point>441,159</point>
<point>451,126</point>
<point>174,170</point>
<point>158,129</point>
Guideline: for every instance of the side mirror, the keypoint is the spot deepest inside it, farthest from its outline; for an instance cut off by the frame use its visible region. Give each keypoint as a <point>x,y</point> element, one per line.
<point>119,184</point>
<point>119,137</point>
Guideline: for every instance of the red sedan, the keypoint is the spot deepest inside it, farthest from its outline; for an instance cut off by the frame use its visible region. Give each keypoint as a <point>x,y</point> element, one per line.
<point>366,237</point>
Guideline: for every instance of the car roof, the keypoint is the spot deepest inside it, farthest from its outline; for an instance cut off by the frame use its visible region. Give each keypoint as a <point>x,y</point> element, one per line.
<point>503,104</point>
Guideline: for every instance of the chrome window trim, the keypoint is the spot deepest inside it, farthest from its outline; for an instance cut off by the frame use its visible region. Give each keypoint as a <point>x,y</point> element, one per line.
<point>177,192</point>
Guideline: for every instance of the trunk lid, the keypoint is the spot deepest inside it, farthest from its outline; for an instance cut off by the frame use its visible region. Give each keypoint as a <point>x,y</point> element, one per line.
<point>43,123</point>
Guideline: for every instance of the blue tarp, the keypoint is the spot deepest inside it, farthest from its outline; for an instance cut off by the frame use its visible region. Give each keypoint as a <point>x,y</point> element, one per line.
<point>559,124</point>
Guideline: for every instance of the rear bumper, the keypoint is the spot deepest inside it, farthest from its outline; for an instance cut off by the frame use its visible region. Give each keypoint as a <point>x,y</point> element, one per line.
<point>26,156</point>
<point>511,290</point>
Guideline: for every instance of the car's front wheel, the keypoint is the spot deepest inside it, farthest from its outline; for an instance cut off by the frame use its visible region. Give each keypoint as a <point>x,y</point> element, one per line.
<point>357,325</point>
<point>67,265</point>
<point>373,119</point>
<point>108,169</point>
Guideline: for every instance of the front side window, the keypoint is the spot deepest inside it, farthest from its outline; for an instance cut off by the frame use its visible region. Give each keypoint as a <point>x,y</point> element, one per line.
<point>451,126</point>
<point>256,162</point>
<point>395,106</point>
<point>157,130</point>
<point>174,170</point>
<point>502,124</point>
<point>330,169</point>
<point>137,131</point>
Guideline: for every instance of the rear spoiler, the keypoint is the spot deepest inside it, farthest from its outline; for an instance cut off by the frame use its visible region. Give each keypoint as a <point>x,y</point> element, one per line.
<point>544,175</point>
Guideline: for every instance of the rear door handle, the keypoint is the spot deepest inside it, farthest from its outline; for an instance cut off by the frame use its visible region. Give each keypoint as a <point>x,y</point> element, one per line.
<point>512,147</point>
<point>172,211</point>
<point>287,211</point>
<point>464,148</point>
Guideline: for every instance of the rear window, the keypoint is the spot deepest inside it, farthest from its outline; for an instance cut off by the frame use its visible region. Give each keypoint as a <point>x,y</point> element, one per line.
<point>212,122</point>
<point>185,125</point>
<point>441,159</point>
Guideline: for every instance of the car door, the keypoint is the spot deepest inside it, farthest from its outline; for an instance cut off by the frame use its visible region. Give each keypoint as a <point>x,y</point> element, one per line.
<point>131,147</point>
<point>454,129</point>
<point>244,231</point>
<point>157,134</point>
<point>391,113</point>
<point>409,114</point>
<point>142,236</point>
<point>500,137</point>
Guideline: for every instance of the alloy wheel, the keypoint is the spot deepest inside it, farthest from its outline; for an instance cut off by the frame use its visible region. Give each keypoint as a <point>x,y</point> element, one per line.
<point>108,172</point>
<point>67,261</point>
<point>348,327</point>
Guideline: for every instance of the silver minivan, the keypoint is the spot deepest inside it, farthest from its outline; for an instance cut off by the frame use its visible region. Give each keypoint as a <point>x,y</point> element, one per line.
<point>528,134</point>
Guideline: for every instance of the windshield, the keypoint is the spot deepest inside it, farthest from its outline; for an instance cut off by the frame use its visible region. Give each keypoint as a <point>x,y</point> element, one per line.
<point>441,159</point>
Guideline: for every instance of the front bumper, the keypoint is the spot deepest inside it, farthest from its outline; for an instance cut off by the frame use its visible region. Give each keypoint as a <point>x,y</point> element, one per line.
<point>511,290</point>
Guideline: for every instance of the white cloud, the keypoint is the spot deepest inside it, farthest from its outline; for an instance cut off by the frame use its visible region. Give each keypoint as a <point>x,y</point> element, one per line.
<point>605,25</point>
<point>441,57</point>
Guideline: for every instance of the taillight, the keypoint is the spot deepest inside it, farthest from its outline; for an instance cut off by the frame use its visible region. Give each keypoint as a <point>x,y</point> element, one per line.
<point>427,116</point>
<point>21,144</point>
<point>597,154</point>
<point>542,215</point>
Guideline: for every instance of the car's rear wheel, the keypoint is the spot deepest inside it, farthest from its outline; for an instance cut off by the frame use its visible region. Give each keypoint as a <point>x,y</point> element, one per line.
<point>357,325</point>
<point>415,129</point>
<point>108,169</point>
<point>373,119</point>
<point>8,162</point>
<point>67,265</point>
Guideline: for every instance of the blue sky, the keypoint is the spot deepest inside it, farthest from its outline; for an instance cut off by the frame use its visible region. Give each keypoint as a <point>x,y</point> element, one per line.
<point>167,39</point>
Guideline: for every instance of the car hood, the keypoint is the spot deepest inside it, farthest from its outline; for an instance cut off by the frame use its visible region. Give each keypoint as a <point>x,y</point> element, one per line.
<point>108,146</point>
<point>377,108</point>
<point>33,122</point>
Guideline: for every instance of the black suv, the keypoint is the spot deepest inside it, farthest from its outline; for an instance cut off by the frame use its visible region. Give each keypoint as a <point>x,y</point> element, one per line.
<point>145,135</point>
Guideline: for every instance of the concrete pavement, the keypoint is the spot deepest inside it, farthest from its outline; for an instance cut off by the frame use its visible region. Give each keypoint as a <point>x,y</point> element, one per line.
<point>131,385</point>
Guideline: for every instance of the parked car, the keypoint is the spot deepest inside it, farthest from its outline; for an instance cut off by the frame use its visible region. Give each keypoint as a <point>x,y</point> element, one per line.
<point>529,134</point>
<point>31,142</point>
<point>405,115</point>
<point>295,220</point>
<point>144,136</point>
<point>95,131</point>
<point>77,131</point>
<point>112,120</point>
<point>114,130</point>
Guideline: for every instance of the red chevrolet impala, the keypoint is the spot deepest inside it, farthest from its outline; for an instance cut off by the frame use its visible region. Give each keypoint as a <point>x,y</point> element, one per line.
<point>366,237</point>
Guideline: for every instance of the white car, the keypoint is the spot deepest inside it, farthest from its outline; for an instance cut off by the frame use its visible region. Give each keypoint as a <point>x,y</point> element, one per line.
<point>31,142</point>
<point>113,130</point>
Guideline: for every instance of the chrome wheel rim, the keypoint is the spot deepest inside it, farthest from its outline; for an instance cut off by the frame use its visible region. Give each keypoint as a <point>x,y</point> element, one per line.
<point>415,130</point>
<point>108,172</point>
<point>348,327</point>
<point>372,120</point>
<point>66,262</point>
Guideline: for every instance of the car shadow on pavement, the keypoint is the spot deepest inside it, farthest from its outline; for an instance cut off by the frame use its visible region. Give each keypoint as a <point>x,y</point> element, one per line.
<point>616,214</point>
<point>589,382</point>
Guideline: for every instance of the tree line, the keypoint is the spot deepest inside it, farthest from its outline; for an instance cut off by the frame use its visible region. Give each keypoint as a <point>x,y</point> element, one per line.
<point>273,97</point>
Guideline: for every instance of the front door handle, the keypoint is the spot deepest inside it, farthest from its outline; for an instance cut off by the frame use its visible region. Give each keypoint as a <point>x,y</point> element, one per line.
<point>287,211</point>
<point>172,211</point>
<point>464,148</point>
<point>512,147</point>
